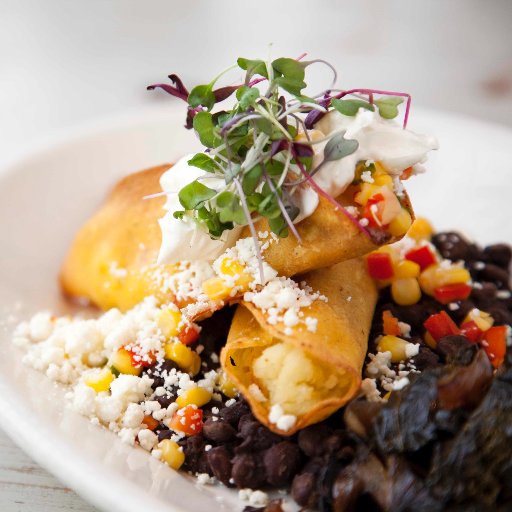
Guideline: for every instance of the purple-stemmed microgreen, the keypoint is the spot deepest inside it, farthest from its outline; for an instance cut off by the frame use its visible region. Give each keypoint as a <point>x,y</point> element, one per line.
<point>252,143</point>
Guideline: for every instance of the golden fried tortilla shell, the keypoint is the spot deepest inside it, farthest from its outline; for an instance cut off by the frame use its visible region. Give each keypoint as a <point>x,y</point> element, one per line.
<point>337,348</point>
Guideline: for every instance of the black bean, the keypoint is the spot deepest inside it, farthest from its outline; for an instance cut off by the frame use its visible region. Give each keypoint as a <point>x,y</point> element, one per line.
<point>303,490</point>
<point>165,434</point>
<point>219,459</point>
<point>166,400</point>
<point>248,471</point>
<point>195,456</point>
<point>218,431</point>
<point>311,439</point>
<point>255,436</point>
<point>155,372</point>
<point>454,246</point>
<point>501,315</point>
<point>499,254</point>
<point>234,413</point>
<point>496,275</point>
<point>485,296</point>
<point>426,358</point>
<point>281,462</point>
<point>456,350</point>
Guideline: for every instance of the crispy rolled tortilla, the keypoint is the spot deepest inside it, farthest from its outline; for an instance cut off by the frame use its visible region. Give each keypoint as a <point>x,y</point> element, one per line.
<point>108,261</point>
<point>308,374</point>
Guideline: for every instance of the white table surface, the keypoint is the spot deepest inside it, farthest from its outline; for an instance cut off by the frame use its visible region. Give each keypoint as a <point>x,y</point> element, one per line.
<point>65,63</point>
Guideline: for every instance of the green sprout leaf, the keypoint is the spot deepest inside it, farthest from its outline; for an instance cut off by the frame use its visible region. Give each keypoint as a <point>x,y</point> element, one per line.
<point>351,107</point>
<point>289,68</point>
<point>194,195</point>
<point>202,95</point>
<point>179,214</point>
<point>279,226</point>
<point>292,85</point>
<point>203,125</point>
<point>337,147</point>
<point>247,96</point>
<point>251,179</point>
<point>388,107</point>
<point>211,219</point>
<point>204,162</point>
<point>253,67</point>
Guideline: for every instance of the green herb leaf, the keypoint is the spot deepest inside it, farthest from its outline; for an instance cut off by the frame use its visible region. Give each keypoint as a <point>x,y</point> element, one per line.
<point>351,107</point>
<point>289,68</point>
<point>269,207</point>
<point>211,219</point>
<point>279,226</point>
<point>251,179</point>
<point>203,125</point>
<point>337,148</point>
<point>179,214</point>
<point>204,162</point>
<point>202,95</point>
<point>253,67</point>
<point>254,200</point>
<point>274,167</point>
<point>247,96</point>
<point>292,85</point>
<point>388,107</point>
<point>194,194</point>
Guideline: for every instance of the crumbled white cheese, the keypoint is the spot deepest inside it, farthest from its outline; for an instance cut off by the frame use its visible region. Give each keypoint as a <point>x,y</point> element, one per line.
<point>411,350</point>
<point>256,498</point>
<point>205,479</point>
<point>370,391</point>
<point>400,383</point>
<point>147,439</point>
<point>280,419</point>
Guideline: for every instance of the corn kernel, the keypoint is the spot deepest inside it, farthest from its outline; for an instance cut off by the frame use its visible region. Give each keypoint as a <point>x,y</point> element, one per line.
<point>122,362</point>
<point>482,319</point>
<point>421,229</point>
<point>226,386</point>
<point>172,453</point>
<point>188,360</point>
<point>100,381</point>
<point>216,288</point>
<point>435,276</point>
<point>383,180</point>
<point>405,291</point>
<point>400,224</point>
<point>395,345</point>
<point>429,340</point>
<point>194,396</point>
<point>387,396</point>
<point>230,267</point>
<point>168,321</point>
<point>406,268</point>
<point>367,191</point>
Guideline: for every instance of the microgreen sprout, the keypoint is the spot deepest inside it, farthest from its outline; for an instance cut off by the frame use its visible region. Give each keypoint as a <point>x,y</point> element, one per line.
<point>253,145</point>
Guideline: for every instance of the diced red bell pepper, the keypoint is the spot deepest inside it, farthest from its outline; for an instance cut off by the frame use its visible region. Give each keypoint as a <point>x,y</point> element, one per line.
<point>452,292</point>
<point>406,173</point>
<point>423,256</point>
<point>150,422</point>
<point>139,361</point>
<point>390,324</point>
<point>188,420</point>
<point>440,325</point>
<point>189,334</point>
<point>494,343</point>
<point>374,218</point>
<point>471,330</point>
<point>380,265</point>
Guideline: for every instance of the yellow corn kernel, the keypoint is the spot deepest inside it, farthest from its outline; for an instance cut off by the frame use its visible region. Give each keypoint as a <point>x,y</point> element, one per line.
<point>481,318</point>
<point>400,224</point>
<point>435,276</point>
<point>226,386</point>
<point>122,362</point>
<point>172,453</point>
<point>216,288</point>
<point>383,180</point>
<point>405,291</point>
<point>406,268</point>
<point>429,340</point>
<point>421,229</point>
<point>387,396</point>
<point>389,249</point>
<point>367,191</point>
<point>168,321</point>
<point>395,345</point>
<point>100,381</point>
<point>194,396</point>
<point>231,267</point>
<point>188,360</point>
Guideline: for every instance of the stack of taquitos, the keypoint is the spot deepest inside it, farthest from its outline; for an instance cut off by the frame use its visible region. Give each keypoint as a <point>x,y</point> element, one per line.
<point>309,374</point>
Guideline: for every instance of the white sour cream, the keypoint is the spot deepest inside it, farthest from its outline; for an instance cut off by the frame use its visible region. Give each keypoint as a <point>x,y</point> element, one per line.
<point>380,140</point>
<point>184,240</point>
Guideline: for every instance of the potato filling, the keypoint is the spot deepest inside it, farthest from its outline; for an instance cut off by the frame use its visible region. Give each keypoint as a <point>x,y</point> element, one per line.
<point>291,379</point>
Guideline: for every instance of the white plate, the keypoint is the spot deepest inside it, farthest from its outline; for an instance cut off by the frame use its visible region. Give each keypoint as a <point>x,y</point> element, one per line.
<point>44,198</point>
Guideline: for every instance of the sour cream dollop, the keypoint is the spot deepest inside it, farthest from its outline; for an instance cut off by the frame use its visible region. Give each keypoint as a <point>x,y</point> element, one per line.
<point>380,140</point>
<point>185,240</point>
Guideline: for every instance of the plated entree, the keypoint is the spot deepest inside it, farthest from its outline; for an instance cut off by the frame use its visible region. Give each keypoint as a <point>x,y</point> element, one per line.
<point>276,318</point>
